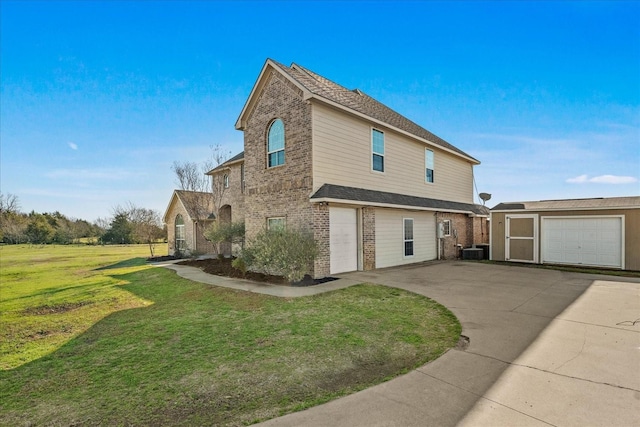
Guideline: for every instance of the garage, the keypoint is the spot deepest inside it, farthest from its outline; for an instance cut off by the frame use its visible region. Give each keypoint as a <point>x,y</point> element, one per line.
<point>598,232</point>
<point>589,241</point>
<point>343,240</point>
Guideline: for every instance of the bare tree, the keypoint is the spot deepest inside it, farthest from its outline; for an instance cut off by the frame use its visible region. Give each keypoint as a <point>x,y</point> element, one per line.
<point>190,176</point>
<point>9,203</point>
<point>144,224</point>
<point>194,178</point>
<point>13,224</point>
<point>218,185</point>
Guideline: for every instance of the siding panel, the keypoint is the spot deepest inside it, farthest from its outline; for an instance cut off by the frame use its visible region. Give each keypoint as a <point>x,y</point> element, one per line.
<point>342,156</point>
<point>389,237</point>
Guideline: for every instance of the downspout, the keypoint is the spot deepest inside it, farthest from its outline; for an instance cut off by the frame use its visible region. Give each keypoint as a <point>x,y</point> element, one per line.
<point>195,235</point>
<point>438,236</point>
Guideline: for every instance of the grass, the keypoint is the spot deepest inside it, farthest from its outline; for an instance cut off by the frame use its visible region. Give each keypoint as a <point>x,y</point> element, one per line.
<point>193,354</point>
<point>51,293</point>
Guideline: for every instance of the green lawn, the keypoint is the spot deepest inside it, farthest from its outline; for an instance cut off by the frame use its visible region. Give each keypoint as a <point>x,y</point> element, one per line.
<point>185,353</point>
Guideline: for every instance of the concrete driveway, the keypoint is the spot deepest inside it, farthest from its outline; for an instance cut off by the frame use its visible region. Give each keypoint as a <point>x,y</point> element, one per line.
<point>546,348</point>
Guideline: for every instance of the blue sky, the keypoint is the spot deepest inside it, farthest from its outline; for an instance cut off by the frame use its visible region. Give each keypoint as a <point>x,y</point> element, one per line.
<point>99,98</point>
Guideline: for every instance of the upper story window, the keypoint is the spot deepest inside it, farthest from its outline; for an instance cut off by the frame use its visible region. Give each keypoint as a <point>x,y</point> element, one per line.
<point>225,179</point>
<point>275,144</point>
<point>428,160</point>
<point>377,150</point>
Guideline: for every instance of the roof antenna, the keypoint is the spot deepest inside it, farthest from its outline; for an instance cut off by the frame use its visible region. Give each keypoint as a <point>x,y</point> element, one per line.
<point>485,197</point>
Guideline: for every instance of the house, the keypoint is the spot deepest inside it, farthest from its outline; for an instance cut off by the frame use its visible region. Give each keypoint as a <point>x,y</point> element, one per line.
<point>374,188</point>
<point>601,232</point>
<point>188,214</point>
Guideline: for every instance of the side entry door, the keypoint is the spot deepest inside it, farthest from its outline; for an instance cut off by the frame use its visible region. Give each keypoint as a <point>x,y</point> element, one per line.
<point>521,235</point>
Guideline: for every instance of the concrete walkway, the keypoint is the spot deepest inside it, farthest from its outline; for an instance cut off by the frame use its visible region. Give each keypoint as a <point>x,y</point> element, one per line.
<point>546,348</point>
<point>197,275</point>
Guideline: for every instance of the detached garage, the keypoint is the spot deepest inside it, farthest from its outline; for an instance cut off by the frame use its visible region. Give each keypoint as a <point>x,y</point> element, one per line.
<point>602,232</point>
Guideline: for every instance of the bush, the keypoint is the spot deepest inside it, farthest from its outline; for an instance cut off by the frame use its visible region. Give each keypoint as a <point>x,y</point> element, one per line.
<point>240,264</point>
<point>285,252</point>
<point>232,232</point>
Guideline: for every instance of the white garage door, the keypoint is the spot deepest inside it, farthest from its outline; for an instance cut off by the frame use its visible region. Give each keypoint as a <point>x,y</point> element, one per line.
<point>593,241</point>
<point>343,240</point>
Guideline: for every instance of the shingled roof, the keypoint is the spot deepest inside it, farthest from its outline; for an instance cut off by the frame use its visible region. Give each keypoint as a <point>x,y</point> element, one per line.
<point>572,204</point>
<point>321,88</point>
<point>330,192</point>
<point>198,204</point>
<point>235,159</point>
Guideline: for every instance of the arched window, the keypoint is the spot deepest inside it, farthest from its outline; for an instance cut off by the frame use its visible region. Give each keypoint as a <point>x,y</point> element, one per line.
<point>180,237</point>
<point>275,144</point>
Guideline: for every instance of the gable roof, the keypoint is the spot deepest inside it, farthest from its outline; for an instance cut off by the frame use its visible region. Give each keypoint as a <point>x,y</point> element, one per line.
<point>235,159</point>
<point>198,204</point>
<point>314,86</point>
<point>572,204</point>
<point>330,192</point>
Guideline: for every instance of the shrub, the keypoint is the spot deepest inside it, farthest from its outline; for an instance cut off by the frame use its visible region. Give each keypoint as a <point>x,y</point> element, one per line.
<point>285,252</point>
<point>232,232</point>
<point>239,264</point>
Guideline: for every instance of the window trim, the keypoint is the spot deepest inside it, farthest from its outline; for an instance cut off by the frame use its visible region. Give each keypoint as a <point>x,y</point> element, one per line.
<point>274,219</point>
<point>375,153</point>
<point>405,240</point>
<point>270,152</point>
<point>182,233</point>
<point>446,227</point>
<point>427,164</point>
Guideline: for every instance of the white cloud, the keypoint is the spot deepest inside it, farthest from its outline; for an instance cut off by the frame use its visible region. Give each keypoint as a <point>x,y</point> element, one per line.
<point>73,146</point>
<point>578,179</point>
<point>602,179</point>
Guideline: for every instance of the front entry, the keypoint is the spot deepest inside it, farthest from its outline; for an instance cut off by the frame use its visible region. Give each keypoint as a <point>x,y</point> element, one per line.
<point>521,235</point>
<point>343,240</point>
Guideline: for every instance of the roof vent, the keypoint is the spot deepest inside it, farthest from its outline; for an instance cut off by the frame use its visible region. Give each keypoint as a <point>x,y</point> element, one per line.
<point>358,91</point>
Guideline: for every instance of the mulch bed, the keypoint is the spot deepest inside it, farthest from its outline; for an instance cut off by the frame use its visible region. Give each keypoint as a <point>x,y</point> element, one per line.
<point>223,267</point>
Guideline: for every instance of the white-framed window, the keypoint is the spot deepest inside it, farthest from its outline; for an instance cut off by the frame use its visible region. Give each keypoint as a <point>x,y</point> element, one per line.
<point>377,150</point>
<point>275,144</point>
<point>225,179</point>
<point>407,231</point>
<point>446,227</point>
<point>429,165</point>
<point>276,223</point>
<point>180,232</point>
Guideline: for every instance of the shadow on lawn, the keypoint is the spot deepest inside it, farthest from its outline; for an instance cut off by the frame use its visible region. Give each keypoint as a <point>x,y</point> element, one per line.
<point>133,262</point>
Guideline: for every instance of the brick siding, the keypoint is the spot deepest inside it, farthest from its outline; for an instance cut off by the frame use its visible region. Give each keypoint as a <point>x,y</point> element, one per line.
<point>465,231</point>
<point>281,191</point>
<point>368,238</point>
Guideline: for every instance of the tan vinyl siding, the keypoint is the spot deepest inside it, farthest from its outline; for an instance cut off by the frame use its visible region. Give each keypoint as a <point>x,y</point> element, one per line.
<point>631,235</point>
<point>390,242</point>
<point>342,156</point>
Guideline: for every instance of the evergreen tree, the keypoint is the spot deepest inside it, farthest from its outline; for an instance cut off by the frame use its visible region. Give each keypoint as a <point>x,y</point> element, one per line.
<point>120,231</point>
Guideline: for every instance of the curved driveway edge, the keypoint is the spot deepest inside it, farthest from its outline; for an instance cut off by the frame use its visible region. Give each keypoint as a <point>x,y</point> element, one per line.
<point>546,348</point>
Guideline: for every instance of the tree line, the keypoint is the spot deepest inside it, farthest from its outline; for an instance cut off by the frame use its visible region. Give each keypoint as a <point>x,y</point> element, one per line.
<point>129,224</point>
